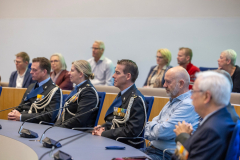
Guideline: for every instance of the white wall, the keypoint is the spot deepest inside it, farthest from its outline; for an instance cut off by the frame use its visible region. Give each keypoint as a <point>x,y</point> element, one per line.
<point>130,29</point>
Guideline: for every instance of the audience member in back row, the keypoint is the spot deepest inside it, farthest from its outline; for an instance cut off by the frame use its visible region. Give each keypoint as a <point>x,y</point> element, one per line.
<point>82,99</point>
<point>229,107</point>
<point>102,67</point>
<point>211,93</point>
<point>22,77</point>
<point>184,59</point>
<point>160,130</point>
<point>39,98</point>
<point>126,116</point>
<point>227,62</point>
<point>155,78</point>
<point>59,74</point>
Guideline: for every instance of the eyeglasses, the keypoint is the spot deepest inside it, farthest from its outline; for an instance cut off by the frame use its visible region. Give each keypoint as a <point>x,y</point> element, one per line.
<point>95,48</point>
<point>160,57</point>
<point>54,61</point>
<point>193,91</point>
<point>15,61</point>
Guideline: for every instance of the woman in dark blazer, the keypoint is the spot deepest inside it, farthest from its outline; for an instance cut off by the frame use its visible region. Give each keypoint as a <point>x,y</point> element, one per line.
<point>59,74</point>
<point>81,100</point>
<point>155,78</point>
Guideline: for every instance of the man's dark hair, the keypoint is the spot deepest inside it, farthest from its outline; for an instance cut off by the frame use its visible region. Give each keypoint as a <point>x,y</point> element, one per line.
<point>130,67</point>
<point>44,63</point>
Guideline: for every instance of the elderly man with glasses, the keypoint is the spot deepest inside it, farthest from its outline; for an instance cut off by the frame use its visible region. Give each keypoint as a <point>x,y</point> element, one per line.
<point>211,93</point>
<point>21,78</point>
<point>102,67</point>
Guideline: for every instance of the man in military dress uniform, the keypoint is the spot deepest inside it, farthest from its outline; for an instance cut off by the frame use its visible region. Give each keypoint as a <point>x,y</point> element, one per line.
<point>126,117</point>
<point>40,97</point>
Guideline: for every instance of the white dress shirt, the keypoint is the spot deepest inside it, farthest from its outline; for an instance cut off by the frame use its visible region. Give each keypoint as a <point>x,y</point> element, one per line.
<point>103,71</point>
<point>20,78</point>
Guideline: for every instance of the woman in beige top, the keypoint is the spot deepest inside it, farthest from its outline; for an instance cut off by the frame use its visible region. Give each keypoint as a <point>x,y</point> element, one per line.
<point>156,74</point>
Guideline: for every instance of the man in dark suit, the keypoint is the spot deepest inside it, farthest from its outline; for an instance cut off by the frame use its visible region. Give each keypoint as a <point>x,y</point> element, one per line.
<point>40,97</point>
<point>21,78</point>
<point>126,117</point>
<point>211,93</point>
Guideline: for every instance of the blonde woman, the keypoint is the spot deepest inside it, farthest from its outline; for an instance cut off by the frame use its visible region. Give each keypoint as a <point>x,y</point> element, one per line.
<point>156,74</point>
<point>82,99</point>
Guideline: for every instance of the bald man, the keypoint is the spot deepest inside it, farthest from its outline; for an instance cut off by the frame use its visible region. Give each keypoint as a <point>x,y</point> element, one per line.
<point>179,108</point>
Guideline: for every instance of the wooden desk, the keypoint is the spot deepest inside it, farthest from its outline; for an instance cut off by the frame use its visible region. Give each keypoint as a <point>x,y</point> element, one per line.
<point>12,97</point>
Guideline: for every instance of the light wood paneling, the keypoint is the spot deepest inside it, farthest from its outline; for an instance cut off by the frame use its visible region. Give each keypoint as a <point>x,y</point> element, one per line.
<point>10,97</point>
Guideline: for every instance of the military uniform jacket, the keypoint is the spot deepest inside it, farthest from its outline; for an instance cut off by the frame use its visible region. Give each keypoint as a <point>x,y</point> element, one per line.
<point>54,104</point>
<point>86,101</point>
<point>134,126</point>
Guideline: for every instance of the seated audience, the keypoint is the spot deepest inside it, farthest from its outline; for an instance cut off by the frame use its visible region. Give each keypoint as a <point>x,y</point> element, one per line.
<point>184,59</point>
<point>227,62</point>
<point>156,74</point>
<point>229,107</point>
<point>211,93</point>
<point>102,67</point>
<point>159,131</point>
<point>126,116</point>
<point>82,99</point>
<point>40,97</point>
<point>21,78</point>
<point>59,74</point>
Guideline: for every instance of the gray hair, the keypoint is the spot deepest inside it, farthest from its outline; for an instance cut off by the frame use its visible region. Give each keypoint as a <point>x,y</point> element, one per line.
<point>101,44</point>
<point>231,55</point>
<point>217,84</point>
<point>61,59</point>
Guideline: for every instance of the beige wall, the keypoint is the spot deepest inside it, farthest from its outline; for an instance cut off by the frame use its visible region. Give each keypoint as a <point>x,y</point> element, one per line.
<point>118,8</point>
<point>131,29</point>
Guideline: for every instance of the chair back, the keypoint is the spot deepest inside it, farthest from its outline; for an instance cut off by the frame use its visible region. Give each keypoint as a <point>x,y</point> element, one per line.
<point>206,68</point>
<point>149,101</point>
<point>0,90</point>
<point>101,100</point>
<point>233,152</point>
<point>29,65</point>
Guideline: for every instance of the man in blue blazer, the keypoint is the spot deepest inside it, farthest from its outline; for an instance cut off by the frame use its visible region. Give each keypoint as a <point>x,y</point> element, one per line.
<point>22,77</point>
<point>211,93</point>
